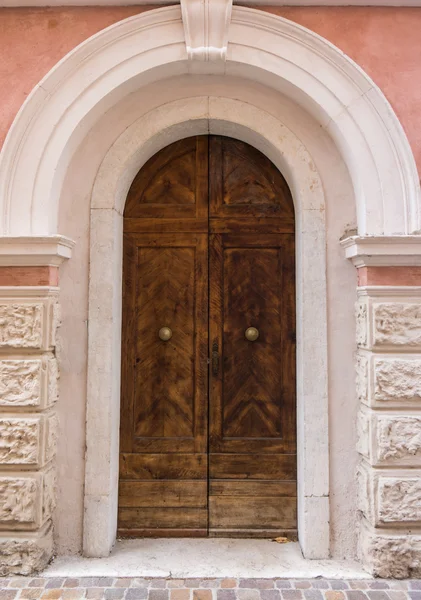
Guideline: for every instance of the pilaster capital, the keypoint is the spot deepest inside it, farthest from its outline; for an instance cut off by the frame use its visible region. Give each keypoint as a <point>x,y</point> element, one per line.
<point>34,251</point>
<point>383,251</point>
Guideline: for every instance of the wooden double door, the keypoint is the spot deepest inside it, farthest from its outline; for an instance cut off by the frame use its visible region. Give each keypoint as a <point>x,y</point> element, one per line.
<point>208,434</point>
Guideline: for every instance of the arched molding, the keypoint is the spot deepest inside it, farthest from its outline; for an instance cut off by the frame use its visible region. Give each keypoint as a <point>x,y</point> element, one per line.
<point>63,107</point>
<point>146,136</point>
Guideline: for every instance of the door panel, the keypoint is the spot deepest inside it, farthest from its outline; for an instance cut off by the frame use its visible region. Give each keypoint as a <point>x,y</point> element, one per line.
<point>247,192</point>
<point>172,188</point>
<point>208,251</point>
<point>252,408</point>
<point>253,395</point>
<point>164,383</point>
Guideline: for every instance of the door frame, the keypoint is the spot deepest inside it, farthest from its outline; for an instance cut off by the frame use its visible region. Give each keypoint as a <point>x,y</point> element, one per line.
<point>184,118</point>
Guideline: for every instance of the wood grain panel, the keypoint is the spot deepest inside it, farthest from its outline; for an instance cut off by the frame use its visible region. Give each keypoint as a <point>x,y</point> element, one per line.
<point>251,226</point>
<point>244,183</point>
<point>252,488</point>
<point>252,380</point>
<point>238,512</point>
<point>252,392</point>
<point>165,297</point>
<point>171,518</point>
<point>253,395</point>
<point>163,466</point>
<point>253,533</point>
<point>154,225</point>
<point>208,213</point>
<point>173,184</point>
<point>161,494</point>
<point>166,532</point>
<point>164,385</point>
<point>252,466</point>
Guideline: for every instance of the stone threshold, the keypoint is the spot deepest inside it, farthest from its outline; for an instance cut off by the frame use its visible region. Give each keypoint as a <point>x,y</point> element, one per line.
<point>205,558</point>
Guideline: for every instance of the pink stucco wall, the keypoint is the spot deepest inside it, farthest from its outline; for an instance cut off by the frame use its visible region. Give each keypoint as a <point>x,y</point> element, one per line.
<point>385,42</point>
<point>32,41</point>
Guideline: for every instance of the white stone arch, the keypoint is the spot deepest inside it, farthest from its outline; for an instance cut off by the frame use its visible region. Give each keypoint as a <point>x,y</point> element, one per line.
<point>146,136</point>
<point>64,105</point>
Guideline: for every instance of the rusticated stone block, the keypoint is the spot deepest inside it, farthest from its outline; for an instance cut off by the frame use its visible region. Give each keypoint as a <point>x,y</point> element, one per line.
<point>399,499</point>
<point>48,494</point>
<point>27,500</point>
<point>398,440</point>
<point>21,325</point>
<point>363,434</point>
<point>23,556</point>
<point>390,556</point>
<point>387,499</point>
<point>20,382</point>
<point>19,498</point>
<point>389,440</point>
<point>19,441</point>
<point>51,437</point>
<point>362,370</point>
<point>56,321</point>
<point>364,493</point>
<point>28,382</point>
<point>53,376</point>
<point>361,312</point>
<point>397,324</point>
<point>397,380</point>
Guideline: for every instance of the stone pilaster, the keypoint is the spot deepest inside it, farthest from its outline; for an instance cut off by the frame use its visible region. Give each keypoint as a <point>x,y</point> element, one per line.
<point>388,364</point>
<point>29,317</point>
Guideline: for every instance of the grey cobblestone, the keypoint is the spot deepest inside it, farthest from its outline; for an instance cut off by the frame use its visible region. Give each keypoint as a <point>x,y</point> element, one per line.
<point>377,595</point>
<point>158,594</point>
<point>261,584</point>
<point>313,594</point>
<point>248,594</point>
<point>337,584</point>
<point>379,584</point>
<point>320,584</point>
<point>192,583</point>
<point>292,594</point>
<point>225,595</point>
<point>397,595</point>
<point>356,595</point>
<point>270,595</point>
<point>114,593</point>
<point>55,582</point>
<point>283,584</point>
<point>158,583</point>
<point>137,594</point>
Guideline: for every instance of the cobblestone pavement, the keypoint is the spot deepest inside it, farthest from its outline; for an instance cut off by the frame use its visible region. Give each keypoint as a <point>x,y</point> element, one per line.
<point>109,588</point>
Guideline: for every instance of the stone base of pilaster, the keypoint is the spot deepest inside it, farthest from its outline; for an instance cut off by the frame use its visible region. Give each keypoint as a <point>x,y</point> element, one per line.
<point>23,553</point>
<point>389,554</point>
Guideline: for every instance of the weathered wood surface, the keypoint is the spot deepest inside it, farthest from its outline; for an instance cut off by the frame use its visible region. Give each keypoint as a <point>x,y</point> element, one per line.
<point>208,251</point>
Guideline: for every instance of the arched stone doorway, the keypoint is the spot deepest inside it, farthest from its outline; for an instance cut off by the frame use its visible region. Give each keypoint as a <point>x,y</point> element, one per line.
<point>208,432</point>
<point>351,135</point>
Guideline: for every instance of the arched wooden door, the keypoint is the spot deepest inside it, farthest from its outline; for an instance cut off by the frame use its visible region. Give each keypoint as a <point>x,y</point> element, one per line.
<point>208,434</point>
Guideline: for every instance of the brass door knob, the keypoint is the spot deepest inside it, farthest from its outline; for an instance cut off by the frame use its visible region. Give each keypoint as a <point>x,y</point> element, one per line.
<point>252,334</point>
<point>165,334</point>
